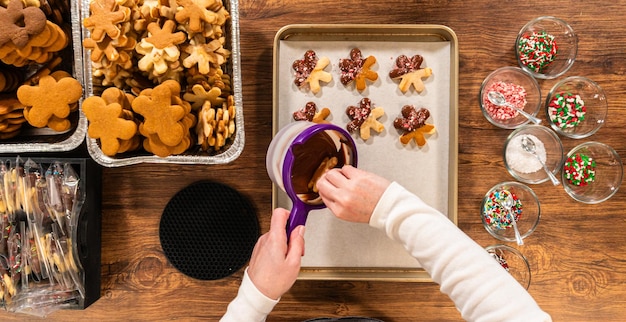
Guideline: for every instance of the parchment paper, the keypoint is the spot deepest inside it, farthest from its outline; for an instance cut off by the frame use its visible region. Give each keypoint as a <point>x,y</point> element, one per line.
<point>424,170</point>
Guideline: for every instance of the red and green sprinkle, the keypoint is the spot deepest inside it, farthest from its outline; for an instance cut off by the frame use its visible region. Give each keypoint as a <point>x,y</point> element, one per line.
<point>537,50</point>
<point>580,169</point>
<point>495,214</point>
<point>500,259</point>
<point>567,110</point>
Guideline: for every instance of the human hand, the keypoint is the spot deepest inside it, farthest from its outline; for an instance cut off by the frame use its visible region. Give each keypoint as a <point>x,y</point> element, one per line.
<point>275,265</point>
<point>350,193</point>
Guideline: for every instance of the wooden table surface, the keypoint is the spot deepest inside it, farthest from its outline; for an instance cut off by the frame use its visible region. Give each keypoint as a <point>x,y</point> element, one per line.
<point>577,254</point>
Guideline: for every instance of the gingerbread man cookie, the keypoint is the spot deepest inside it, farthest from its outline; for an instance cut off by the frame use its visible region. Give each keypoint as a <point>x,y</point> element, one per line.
<point>108,124</point>
<point>363,118</point>
<point>160,116</point>
<point>410,72</point>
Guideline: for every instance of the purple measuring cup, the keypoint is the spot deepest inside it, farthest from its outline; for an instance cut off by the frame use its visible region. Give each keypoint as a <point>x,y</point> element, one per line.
<point>294,155</point>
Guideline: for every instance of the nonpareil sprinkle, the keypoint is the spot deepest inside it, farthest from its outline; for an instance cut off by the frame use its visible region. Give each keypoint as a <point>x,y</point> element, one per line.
<point>495,214</point>
<point>537,50</point>
<point>580,169</point>
<point>567,110</point>
<point>513,94</point>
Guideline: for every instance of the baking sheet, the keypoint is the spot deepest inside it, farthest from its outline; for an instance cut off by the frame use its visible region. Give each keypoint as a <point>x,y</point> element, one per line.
<point>342,250</point>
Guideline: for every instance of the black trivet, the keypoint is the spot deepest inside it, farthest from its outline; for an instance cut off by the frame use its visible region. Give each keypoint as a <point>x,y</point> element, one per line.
<point>208,230</point>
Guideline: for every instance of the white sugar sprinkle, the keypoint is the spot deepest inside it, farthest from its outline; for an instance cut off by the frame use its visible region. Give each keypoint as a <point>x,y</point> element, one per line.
<point>521,161</point>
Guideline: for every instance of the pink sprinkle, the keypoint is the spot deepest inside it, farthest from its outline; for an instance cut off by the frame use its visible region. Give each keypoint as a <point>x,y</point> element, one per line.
<point>514,95</point>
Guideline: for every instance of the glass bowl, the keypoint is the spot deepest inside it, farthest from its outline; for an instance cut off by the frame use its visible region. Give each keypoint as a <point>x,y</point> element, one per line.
<point>525,209</point>
<point>592,172</point>
<point>513,261</point>
<point>546,47</point>
<point>525,166</point>
<point>519,88</point>
<point>576,107</point>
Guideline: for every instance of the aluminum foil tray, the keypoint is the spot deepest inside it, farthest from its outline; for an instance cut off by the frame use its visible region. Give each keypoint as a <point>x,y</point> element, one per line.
<point>45,140</point>
<point>194,155</point>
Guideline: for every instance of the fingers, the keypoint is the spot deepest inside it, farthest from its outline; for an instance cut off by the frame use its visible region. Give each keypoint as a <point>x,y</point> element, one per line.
<point>296,245</point>
<point>350,172</point>
<point>278,222</point>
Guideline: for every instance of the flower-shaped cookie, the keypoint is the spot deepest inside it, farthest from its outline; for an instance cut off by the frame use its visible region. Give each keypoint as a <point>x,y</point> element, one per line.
<point>204,55</point>
<point>410,72</point>
<point>363,118</point>
<point>195,13</point>
<point>309,113</point>
<point>50,98</point>
<point>199,96</point>
<point>105,15</point>
<point>413,125</point>
<point>357,69</point>
<point>160,47</point>
<point>310,70</point>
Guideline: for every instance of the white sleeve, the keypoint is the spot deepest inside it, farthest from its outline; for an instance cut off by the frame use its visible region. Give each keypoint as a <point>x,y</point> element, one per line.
<point>249,305</point>
<point>480,288</point>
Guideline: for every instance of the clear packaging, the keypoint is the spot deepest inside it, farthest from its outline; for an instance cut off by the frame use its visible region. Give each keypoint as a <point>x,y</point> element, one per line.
<point>45,260</point>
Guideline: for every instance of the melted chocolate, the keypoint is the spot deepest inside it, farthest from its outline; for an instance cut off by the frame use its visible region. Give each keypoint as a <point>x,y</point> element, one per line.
<point>307,158</point>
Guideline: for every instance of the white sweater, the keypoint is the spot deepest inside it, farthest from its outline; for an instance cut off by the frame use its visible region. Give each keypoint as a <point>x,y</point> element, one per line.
<point>480,288</point>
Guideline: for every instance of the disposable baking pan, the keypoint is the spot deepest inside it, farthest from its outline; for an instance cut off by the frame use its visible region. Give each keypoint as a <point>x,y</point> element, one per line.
<point>194,155</point>
<point>341,250</point>
<point>46,140</point>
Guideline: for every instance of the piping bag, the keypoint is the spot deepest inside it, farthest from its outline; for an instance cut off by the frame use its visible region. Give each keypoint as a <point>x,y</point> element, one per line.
<point>299,154</point>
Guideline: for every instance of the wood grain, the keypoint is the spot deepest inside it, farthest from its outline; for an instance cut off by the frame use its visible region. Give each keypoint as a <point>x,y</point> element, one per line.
<point>577,254</point>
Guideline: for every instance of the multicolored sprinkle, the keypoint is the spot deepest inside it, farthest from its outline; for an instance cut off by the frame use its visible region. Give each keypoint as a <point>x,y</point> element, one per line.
<point>537,50</point>
<point>495,214</point>
<point>580,169</point>
<point>567,110</point>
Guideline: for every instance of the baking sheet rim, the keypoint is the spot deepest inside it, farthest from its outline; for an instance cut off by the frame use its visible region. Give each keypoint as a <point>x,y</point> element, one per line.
<point>447,34</point>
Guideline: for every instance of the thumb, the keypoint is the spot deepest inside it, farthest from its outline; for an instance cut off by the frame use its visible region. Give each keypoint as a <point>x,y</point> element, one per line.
<point>296,244</point>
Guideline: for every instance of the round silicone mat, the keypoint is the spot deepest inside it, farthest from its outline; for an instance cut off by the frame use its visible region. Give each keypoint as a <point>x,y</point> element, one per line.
<point>208,230</point>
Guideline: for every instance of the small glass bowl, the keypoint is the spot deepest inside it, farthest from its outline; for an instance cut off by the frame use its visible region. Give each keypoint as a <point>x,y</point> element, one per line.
<point>513,261</point>
<point>549,30</point>
<point>525,209</point>
<point>589,98</point>
<point>606,167</point>
<point>506,78</point>
<point>524,166</point>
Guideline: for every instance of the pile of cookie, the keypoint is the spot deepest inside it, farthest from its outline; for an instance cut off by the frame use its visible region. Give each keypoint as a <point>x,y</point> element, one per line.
<point>169,57</point>
<point>309,72</point>
<point>32,89</point>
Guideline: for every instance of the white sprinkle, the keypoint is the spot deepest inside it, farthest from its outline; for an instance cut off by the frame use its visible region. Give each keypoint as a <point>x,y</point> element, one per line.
<point>521,161</point>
